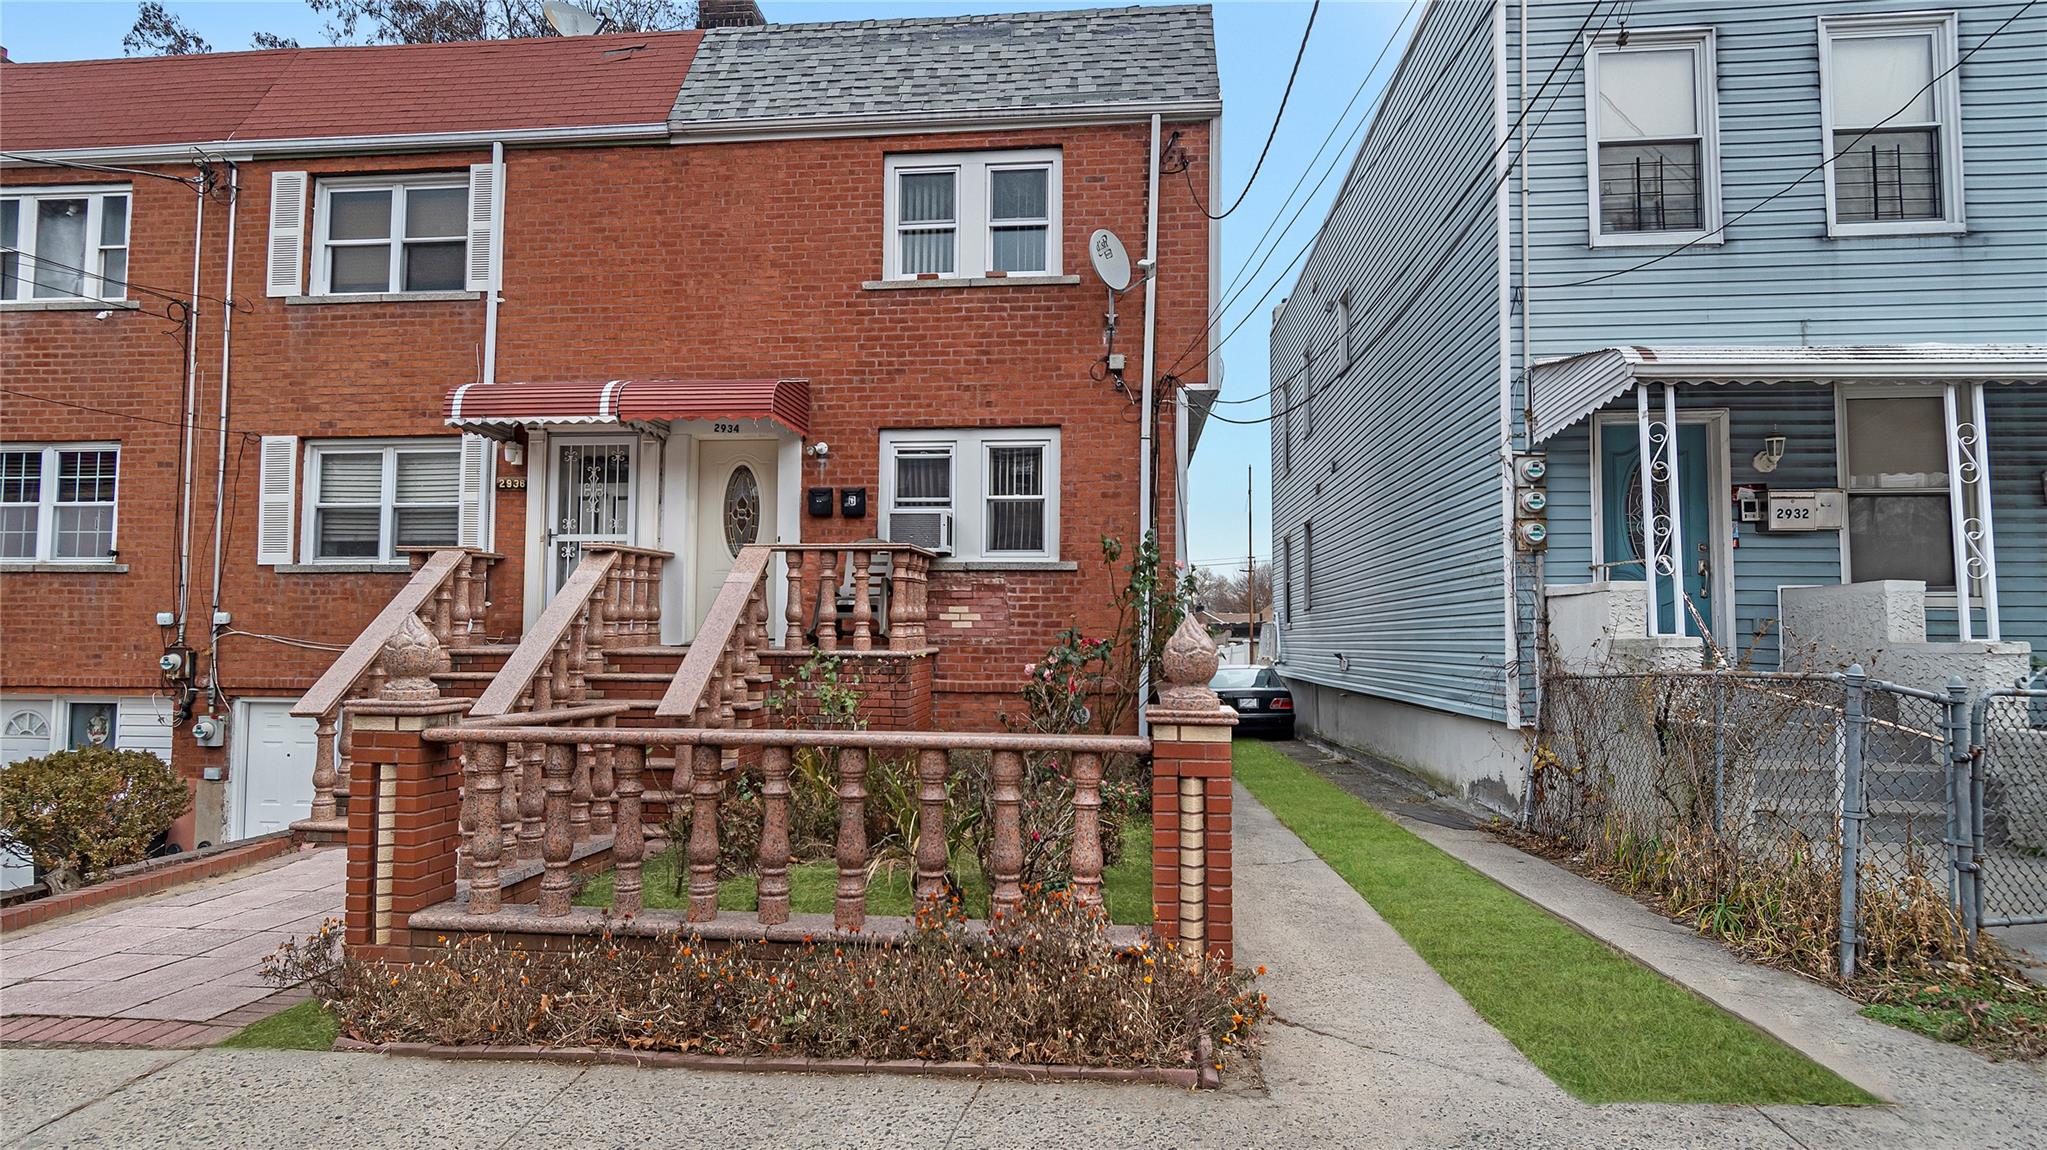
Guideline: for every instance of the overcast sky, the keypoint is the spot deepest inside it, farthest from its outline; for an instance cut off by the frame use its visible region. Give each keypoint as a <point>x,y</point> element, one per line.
<point>1256,41</point>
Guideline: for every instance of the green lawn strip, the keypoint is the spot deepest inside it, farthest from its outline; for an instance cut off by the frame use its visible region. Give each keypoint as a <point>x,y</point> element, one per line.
<point>1602,1026</point>
<point>813,886</point>
<point>303,1027</point>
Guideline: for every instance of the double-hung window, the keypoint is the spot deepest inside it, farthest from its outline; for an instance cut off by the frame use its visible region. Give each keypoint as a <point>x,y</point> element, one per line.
<point>1652,138</point>
<point>972,215</point>
<point>989,494</point>
<point>64,244</point>
<point>404,236</point>
<point>1891,109</point>
<point>368,502</point>
<point>1895,466</point>
<point>57,503</point>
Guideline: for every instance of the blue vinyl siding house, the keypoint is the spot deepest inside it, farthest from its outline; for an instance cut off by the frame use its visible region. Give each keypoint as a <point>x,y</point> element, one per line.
<point>1811,236</point>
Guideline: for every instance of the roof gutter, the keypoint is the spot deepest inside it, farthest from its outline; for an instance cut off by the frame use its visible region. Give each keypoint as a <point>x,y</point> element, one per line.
<point>347,145</point>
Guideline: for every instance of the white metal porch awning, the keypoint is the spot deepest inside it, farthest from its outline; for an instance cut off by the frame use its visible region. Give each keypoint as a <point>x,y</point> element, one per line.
<point>1564,391</point>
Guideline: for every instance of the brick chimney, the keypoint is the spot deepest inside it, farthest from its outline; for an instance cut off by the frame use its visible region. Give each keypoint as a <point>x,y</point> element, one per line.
<point>729,14</point>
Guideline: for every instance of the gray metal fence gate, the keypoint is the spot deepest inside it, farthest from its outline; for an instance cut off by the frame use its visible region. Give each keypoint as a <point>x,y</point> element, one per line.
<point>2007,808</point>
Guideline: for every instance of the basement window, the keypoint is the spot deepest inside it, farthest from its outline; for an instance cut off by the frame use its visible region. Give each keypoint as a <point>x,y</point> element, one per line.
<point>972,215</point>
<point>64,244</point>
<point>381,237</point>
<point>57,503</point>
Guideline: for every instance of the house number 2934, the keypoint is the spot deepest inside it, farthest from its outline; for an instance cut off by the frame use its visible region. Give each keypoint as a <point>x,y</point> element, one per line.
<point>725,428</point>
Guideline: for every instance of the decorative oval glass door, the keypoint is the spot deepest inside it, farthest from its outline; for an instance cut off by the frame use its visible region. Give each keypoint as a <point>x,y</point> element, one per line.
<point>734,505</point>
<point>742,509</point>
<point>593,501</point>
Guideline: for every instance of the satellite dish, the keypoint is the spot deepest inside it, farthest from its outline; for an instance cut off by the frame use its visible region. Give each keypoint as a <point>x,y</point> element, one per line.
<point>570,20</point>
<point>1111,262</point>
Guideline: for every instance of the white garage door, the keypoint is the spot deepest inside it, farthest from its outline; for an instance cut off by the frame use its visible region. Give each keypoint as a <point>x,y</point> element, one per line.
<point>275,765</point>
<point>24,734</point>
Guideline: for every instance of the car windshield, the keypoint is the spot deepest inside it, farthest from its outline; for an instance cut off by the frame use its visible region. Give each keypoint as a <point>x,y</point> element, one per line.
<point>1235,678</point>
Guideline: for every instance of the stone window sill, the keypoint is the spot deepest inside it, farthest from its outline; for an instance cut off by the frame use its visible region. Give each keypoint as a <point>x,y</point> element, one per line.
<point>384,297</point>
<point>344,568</point>
<point>63,568</point>
<point>1003,565</point>
<point>70,305</point>
<point>976,282</point>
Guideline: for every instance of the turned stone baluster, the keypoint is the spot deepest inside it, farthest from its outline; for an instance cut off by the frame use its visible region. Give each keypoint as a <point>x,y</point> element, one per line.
<point>324,773</point>
<point>863,606</point>
<point>729,687</point>
<point>850,911</point>
<point>792,610</point>
<point>633,594</point>
<point>1006,854</point>
<point>483,767</point>
<point>532,801</point>
<point>1087,829</point>
<point>556,842</point>
<point>630,845</point>
<point>828,600</point>
<point>703,833</point>
<point>932,767</point>
<point>579,793</point>
<point>508,796</point>
<point>603,788</point>
<point>600,631</point>
<point>458,632</point>
<point>652,566</point>
<point>774,852</point>
<point>443,624</point>
<point>576,660</point>
<point>344,750</point>
<point>479,596</point>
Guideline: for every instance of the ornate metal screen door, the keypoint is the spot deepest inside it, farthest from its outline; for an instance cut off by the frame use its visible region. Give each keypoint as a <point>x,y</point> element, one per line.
<point>593,501</point>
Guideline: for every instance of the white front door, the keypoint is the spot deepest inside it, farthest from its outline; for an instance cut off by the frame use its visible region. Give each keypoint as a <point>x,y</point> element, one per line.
<point>274,763</point>
<point>592,500</point>
<point>24,734</point>
<point>735,506</point>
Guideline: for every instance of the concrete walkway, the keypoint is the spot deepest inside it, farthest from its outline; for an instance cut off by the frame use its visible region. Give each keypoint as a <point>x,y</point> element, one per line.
<point>180,968</point>
<point>1371,1049</point>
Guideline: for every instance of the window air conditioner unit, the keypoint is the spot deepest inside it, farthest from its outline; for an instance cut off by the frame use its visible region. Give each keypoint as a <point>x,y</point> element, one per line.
<point>931,530</point>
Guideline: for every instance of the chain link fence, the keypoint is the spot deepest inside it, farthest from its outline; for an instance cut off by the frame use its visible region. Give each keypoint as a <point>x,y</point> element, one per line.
<point>2009,802</point>
<point>1823,819</point>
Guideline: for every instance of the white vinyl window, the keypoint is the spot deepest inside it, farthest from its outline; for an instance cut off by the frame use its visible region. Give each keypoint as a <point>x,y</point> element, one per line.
<point>1894,466</point>
<point>984,494</point>
<point>405,236</point>
<point>367,502</point>
<point>1652,138</point>
<point>57,503</point>
<point>1891,114</point>
<point>64,244</point>
<point>972,215</point>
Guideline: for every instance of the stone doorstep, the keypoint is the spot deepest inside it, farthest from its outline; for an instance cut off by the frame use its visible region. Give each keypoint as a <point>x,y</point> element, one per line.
<point>1203,1077</point>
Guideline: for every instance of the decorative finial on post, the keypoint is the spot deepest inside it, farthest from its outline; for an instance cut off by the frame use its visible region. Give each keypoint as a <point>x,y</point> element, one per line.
<point>1189,662</point>
<point>412,656</point>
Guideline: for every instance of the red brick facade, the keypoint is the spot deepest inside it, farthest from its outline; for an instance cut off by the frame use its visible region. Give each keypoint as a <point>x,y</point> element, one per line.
<point>701,261</point>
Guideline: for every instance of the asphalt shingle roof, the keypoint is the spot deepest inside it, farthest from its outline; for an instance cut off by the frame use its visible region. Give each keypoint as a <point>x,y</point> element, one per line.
<point>1026,62</point>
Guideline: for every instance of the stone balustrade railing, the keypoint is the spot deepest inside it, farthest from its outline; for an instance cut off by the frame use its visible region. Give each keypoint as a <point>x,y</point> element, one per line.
<point>446,598</point>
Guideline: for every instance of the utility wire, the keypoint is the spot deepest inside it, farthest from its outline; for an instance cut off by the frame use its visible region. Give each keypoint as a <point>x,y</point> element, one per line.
<point>123,414</point>
<point>1276,117</point>
<point>1809,172</point>
<point>196,183</point>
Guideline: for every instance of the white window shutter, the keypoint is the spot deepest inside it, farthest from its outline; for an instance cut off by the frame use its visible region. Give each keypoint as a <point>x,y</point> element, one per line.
<point>483,223</point>
<point>477,457</point>
<point>277,508</point>
<point>287,232</point>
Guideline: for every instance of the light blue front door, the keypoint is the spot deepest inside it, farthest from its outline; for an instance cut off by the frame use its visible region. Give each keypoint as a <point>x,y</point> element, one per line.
<point>1621,520</point>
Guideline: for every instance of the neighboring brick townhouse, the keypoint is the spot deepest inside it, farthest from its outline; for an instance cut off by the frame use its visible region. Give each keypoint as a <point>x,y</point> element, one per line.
<point>526,296</point>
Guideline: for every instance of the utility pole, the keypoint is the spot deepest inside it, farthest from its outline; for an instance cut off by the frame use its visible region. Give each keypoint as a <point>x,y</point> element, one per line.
<point>1250,567</point>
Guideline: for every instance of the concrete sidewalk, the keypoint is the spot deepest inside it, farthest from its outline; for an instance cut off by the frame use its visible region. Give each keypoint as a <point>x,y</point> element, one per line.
<point>1370,1049</point>
<point>179,968</point>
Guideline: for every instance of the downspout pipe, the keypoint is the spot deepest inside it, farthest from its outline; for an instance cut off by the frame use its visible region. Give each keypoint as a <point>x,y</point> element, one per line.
<point>189,416</point>
<point>227,326</point>
<point>1149,417</point>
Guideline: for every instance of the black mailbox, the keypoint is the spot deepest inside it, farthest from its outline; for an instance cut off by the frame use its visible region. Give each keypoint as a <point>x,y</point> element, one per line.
<point>853,502</point>
<point>820,499</point>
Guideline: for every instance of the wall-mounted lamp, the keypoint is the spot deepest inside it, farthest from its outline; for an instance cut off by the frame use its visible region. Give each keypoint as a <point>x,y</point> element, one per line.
<point>1773,450</point>
<point>514,453</point>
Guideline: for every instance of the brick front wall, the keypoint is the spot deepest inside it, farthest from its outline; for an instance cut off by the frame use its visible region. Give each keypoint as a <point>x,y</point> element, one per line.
<point>699,261</point>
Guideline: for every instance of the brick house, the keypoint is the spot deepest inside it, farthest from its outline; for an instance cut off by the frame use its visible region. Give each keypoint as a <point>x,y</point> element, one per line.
<point>683,291</point>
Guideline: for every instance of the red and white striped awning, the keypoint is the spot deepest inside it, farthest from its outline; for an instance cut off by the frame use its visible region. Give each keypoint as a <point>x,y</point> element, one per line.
<point>483,405</point>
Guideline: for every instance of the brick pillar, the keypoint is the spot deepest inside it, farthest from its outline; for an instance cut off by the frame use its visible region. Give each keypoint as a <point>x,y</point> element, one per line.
<point>1191,857</point>
<point>404,812</point>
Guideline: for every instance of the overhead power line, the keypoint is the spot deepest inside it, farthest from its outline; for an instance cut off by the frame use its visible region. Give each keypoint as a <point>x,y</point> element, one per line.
<point>1276,117</point>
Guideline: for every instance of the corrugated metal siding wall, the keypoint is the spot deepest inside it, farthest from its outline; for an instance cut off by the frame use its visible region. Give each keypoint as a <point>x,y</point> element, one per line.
<point>1400,475</point>
<point>1778,278</point>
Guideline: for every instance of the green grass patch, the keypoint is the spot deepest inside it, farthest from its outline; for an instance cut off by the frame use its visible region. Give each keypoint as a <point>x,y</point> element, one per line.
<point>303,1027</point>
<point>813,886</point>
<point>1602,1026</point>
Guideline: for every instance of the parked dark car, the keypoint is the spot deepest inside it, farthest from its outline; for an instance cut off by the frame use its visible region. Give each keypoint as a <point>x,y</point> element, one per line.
<point>1263,704</point>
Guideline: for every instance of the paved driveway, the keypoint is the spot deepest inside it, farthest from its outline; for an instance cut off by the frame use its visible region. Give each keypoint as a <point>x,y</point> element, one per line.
<point>173,969</point>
